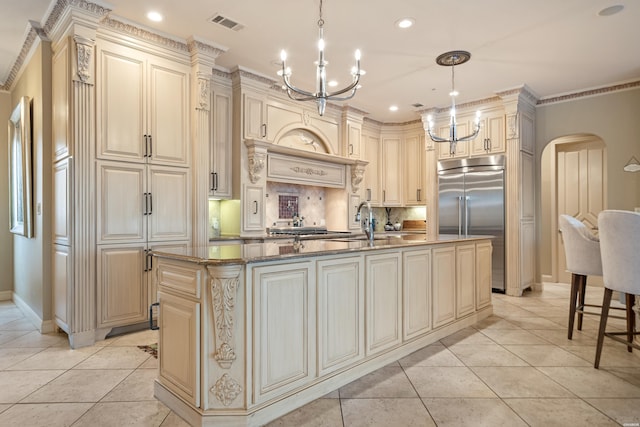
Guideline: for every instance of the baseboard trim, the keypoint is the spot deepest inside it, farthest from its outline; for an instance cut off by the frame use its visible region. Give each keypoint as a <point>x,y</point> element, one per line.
<point>6,295</point>
<point>44,327</point>
<point>547,278</point>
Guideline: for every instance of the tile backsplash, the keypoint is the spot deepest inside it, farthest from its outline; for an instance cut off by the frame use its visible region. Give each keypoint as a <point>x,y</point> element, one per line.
<point>282,200</point>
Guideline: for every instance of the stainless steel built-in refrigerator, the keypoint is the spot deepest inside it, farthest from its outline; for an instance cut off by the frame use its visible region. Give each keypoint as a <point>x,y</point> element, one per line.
<point>471,202</point>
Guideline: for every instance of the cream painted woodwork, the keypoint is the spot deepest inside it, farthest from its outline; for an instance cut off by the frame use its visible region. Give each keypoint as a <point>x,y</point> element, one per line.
<point>465,279</point>
<point>352,134</point>
<point>390,172</point>
<point>221,149</point>
<point>491,138</point>
<point>580,190</point>
<point>60,93</point>
<point>483,274</point>
<point>142,106</point>
<point>384,301</point>
<point>253,218</point>
<point>179,337</point>
<point>255,116</point>
<point>371,181</point>
<point>416,280</point>
<point>284,338</point>
<point>444,285</point>
<point>62,176</point>
<point>414,170</point>
<point>277,333</point>
<point>340,313</point>
<point>61,272</point>
<point>461,149</point>
<point>122,291</point>
<point>139,203</point>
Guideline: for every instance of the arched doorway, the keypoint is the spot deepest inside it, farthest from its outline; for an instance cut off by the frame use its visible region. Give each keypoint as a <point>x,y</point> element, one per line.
<point>575,169</point>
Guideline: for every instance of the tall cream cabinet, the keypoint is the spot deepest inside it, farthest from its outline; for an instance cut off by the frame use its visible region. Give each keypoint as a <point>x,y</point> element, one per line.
<point>143,180</point>
<point>414,170</point>
<point>220,154</point>
<point>124,139</point>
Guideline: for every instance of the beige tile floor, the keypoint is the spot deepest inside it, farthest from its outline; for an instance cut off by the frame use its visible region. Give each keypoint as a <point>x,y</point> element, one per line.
<point>516,368</point>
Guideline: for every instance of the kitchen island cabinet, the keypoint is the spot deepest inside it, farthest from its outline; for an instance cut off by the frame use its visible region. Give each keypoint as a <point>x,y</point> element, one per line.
<point>252,332</point>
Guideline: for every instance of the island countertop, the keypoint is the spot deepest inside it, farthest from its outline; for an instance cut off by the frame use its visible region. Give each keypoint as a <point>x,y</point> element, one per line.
<point>221,254</point>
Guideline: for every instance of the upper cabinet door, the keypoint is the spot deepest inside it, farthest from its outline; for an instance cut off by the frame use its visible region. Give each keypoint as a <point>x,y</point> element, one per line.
<point>414,171</point>
<point>142,107</point>
<point>221,146</point>
<point>391,172</point>
<point>121,97</point>
<point>168,123</point>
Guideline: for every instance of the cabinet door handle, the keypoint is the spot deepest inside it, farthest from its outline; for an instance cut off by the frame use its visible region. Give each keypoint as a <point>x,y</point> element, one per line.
<point>150,146</point>
<point>215,181</point>
<point>384,195</point>
<point>351,149</point>
<point>418,191</point>
<point>255,207</point>
<point>264,130</point>
<point>212,182</point>
<point>146,145</point>
<point>150,203</point>
<point>146,203</point>
<point>368,194</point>
<point>488,144</point>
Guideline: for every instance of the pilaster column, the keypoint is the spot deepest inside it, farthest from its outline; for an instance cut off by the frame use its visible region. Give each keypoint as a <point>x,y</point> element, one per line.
<point>202,61</point>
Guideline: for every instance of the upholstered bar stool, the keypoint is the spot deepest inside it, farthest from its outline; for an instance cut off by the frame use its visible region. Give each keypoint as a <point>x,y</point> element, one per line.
<point>582,252</point>
<point>620,248</point>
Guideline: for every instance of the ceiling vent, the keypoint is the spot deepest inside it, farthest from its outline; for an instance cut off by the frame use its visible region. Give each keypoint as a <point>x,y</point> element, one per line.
<point>417,105</point>
<point>226,22</point>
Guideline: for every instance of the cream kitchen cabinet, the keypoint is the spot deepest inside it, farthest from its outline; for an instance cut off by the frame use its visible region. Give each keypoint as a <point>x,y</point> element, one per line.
<point>253,212</point>
<point>444,285</point>
<point>371,181</point>
<point>483,274</point>
<point>416,274</point>
<point>340,312</point>
<point>139,207</point>
<point>461,149</point>
<point>465,276</point>
<point>220,185</point>
<point>142,112</point>
<point>180,326</point>
<point>254,115</point>
<point>491,138</point>
<point>391,175</point>
<point>285,334</point>
<point>352,138</point>
<point>414,170</point>
<point>384,301</point>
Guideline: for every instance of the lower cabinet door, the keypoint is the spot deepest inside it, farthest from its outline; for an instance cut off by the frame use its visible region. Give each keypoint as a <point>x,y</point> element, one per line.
<point>180,361</point>
<point>465,279</point>
<point>340,313</point>
<point>416,278</point>
<point>444,285</point>
<point>383,299</point>
<point>284,322</point>
<point>483,274</point>
<point>122,291</point>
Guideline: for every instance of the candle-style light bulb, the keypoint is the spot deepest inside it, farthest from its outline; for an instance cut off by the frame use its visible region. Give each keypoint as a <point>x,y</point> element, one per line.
<point>283,55</point>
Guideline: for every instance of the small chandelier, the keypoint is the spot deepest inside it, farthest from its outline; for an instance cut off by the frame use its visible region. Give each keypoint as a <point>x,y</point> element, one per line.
<point>320,95</point>
<point>451,59</point>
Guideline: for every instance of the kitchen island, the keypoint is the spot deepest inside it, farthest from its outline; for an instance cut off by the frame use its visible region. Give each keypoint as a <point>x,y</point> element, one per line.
<point>249,332</point>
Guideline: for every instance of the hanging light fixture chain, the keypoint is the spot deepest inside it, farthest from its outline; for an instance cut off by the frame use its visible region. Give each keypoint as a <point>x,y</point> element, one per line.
<point>320,20</point>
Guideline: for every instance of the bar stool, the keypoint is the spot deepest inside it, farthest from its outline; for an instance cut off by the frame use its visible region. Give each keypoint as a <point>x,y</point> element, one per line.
<point>620,247</point>
<point>582,252</point>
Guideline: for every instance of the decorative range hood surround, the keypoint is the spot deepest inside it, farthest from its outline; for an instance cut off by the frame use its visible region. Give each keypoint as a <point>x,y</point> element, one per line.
<point>295,166</point>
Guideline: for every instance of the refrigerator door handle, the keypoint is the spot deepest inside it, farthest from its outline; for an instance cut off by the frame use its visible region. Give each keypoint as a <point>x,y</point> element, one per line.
<point>466,216</point>
<point>459,215</point>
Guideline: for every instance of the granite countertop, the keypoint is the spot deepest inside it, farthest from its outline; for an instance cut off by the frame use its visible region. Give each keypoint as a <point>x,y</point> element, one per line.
<point>277,249</point>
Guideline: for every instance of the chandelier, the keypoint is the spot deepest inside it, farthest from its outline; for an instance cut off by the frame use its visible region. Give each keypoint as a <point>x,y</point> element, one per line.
<point>451,59</point>
<point>321,96</point>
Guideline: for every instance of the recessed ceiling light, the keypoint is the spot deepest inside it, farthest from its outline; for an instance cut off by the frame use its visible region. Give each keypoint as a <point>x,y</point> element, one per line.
<point>405,23</point>
<point>154,16</point>
<point>611,10</point>
<point>393,108</point>
<point>333,83</point>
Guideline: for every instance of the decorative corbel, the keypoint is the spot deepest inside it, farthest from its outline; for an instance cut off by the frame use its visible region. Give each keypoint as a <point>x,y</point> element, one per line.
<point>204,91</point>
<point>257,157</point>
<point>84,55</point>
<point>224,286</point>
<point>357,174</point>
